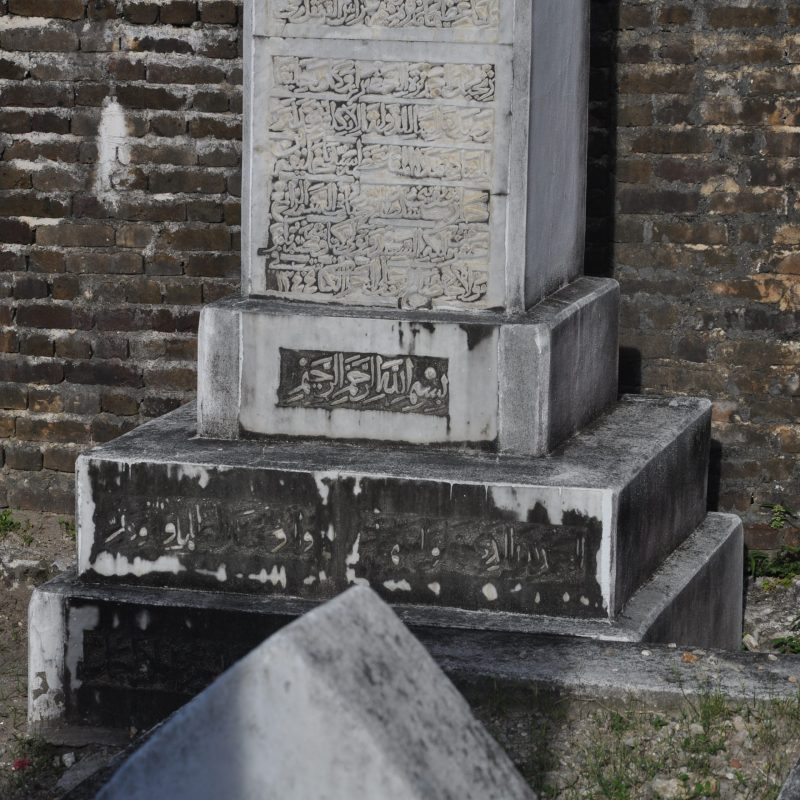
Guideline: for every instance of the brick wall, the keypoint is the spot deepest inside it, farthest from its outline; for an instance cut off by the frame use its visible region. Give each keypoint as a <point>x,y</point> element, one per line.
<point>695,163</point>
<point>119,185</point>
<point>119,210</point>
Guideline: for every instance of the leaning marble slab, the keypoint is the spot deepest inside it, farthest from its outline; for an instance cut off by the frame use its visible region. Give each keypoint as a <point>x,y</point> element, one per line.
<point>343,704</point>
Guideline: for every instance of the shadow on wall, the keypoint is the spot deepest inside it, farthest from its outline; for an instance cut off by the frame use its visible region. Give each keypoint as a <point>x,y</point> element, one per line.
<point>603,100</point>
<point>601,191</point>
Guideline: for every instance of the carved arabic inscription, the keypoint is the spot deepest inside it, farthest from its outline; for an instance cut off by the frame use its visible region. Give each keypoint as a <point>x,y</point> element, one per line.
<point>364,382</point>
<point>390,13</point>
<point>381,181</point>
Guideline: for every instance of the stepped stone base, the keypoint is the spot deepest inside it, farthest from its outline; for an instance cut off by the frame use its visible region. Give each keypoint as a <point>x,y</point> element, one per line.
<point>519,383</point>
<point>572,535</point>
<point>126,656</point>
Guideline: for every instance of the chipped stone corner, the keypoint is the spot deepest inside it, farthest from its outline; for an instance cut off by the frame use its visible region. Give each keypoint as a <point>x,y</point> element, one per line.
<point>47,640</point>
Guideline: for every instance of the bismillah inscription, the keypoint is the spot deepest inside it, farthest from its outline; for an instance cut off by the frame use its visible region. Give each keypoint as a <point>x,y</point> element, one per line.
<point>381,181</point>
<point>390,13</point>
<point>364,382</point>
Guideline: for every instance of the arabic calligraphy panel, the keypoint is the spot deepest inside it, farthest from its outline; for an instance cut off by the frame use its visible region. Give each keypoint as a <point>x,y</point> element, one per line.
<point>364,381</point>
<point>381,181</point>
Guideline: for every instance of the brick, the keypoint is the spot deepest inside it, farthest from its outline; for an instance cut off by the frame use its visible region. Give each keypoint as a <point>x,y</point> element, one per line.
<point>54,38</point>
<point>15,121</point>
<point>196,238</point>
<point>194,73</point>
<point>120,404</point>
<point>132,96</point>
<point>13,396</point>
<point>737,17</point>
<point>102,9</point>
<point>134,235</point>
<point>6,426</point>
<point>213,265</point>
<point>140,13</point>
<point>179,12</point>
<point>23,457</point>
<point>211,102</point>
<point>174,378</point>
<point>36,345</point>
<point>50,122</point>
<point>38,95</point>
<point>49,261</point>
<point>143,290</point>
<point>53,316</point>
<point>58,180</point>
<point>46,401</point>
<point>180,155</point>
<point>167,125</point>
<point>11,70</point>
<point>218,12</point>
<point>15,231</point>
<point>104,373</point>
<point>53,150</point>
<point>61,459</point>
<point>44,430</point>
<point>649,201</point>
<point>106,427</point>
<point>673,142</point>
<point>72,234</point>
<point>60,9</point>
<point>215,128</point>
<point>186,180</point>
<point>30,287</point>
<point>104,263</point>
<point>161,44</point>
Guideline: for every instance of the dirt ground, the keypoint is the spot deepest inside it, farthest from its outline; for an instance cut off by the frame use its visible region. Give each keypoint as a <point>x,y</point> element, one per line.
<point>733,753</point>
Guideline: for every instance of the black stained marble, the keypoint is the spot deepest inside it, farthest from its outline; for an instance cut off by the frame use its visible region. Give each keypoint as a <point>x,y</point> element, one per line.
<point>303,535</point>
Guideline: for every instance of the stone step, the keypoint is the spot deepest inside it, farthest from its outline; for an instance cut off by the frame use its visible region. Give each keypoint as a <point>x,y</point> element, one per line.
<point>521,383</point>
<point>127,656</point>
<point>572,535</point>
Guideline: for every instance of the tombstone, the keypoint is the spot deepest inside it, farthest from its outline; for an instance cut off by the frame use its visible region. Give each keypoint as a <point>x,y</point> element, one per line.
<point>416,390</point>
<point>343,703</point>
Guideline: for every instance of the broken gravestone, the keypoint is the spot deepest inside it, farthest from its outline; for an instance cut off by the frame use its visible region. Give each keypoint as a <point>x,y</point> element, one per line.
<point>343,704</point>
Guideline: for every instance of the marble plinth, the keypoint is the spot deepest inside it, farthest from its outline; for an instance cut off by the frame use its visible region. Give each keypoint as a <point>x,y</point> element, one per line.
<point>518,384</point>
<point>574,534</point>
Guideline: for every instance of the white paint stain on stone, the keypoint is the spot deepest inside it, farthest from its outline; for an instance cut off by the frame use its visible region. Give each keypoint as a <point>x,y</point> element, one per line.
<point>310,580</point>
<point>565,598</point>
<point>517,588</point>
<point>109,564</point>
<point>435,587</point>
<point>46,642</point>
<point>490,592</point>
<point>276,576</point>
<point>537,599</point>
<point>350,561</point>
<point>606,568</point>
<point>113,154</point>
<point>395,586</point>
<point>324,480</point>
<point>357,487</point>
<point>193,472</point>
<point>84,502</point>
<point>220,573</point>
<point>143,620</point>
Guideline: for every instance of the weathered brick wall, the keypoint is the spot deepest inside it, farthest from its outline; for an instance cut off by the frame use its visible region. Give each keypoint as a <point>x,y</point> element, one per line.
<point>694,208</point>
<point>119,182</point>
<point>119,185</point>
